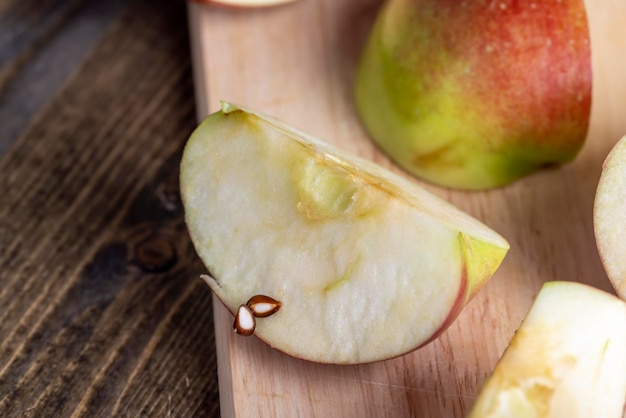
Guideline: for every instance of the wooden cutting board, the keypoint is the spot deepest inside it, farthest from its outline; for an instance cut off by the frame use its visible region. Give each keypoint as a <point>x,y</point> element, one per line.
<point>297,63</point>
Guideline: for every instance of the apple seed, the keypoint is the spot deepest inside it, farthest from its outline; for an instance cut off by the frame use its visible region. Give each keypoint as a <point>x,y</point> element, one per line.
<point>244,321</point>
<point>263,306</point>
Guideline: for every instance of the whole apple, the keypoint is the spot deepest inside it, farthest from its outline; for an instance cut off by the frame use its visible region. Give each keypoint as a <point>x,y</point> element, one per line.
<point>476,94</point>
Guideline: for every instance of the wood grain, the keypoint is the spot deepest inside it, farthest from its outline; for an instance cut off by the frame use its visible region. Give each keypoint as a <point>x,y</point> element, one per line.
<point>102,310</point>
<point>40,44</point>
<point>297,63</point>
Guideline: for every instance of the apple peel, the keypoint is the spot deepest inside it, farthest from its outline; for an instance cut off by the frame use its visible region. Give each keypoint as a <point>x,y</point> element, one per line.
<point>477,94</point>
<point>245,4</point>
<point>366,264</point>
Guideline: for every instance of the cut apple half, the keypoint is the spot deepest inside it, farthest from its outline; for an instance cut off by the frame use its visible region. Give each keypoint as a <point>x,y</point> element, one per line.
<point>244,4</point>
<point>363,264</point>
<point>609,217</point>
<point>568,359</point>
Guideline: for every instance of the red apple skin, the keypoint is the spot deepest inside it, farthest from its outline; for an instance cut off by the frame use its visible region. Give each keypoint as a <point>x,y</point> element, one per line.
<point>475,94</point>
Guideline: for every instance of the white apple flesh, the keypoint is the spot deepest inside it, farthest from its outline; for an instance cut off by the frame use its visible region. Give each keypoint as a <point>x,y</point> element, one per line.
<point>609,217</point>
<point>568,359</point>
<point>364,264</point>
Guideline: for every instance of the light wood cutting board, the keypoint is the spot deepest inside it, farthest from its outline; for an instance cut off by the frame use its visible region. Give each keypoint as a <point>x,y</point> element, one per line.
<point>297,63</point>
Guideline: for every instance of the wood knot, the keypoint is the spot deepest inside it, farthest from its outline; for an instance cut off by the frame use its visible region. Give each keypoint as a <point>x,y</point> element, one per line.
<point>155,254</point>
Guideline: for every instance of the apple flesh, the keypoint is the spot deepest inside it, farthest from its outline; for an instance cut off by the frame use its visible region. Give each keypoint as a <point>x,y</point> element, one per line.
<point>476,94</point>
<point>568,359</point>
<point>364,264</point>
<point>609,217</point>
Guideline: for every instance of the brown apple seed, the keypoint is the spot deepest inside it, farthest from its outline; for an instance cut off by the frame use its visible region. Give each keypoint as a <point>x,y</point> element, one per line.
<point>245,323</point>
<point>263,306</point>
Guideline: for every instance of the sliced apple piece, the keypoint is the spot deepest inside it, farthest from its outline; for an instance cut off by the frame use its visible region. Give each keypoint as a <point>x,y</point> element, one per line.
<point>476,94</point>
<point>568,359</point>
<point>609,217</point>
<point>364,264</point>
<point>244,4</point>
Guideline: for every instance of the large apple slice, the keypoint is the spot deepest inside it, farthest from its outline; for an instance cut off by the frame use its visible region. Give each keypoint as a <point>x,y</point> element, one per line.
<point>366,265</point>
<point>609,217</point>
<point>475,94</point>
<point>568,359</point>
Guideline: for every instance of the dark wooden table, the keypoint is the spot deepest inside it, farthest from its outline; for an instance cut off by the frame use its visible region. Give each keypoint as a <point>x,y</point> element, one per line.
<point>102,312</point>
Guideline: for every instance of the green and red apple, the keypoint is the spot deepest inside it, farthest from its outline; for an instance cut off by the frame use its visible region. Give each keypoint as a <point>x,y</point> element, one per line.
<point>568,359</point>
<point>323,255</point>
<point>475,94</point>
<point>609,217</point>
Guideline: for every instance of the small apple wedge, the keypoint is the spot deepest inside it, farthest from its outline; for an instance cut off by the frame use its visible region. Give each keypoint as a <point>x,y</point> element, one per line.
<point>353,263</point>
<point>567,359</point>
<point>609,217</point>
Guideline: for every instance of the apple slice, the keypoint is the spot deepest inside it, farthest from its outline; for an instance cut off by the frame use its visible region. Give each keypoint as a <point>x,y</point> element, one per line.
<point>246,3</point>
<point>568,359</point>
<point>362,263</point>
<point>476,94</point>
<point>609,217</point>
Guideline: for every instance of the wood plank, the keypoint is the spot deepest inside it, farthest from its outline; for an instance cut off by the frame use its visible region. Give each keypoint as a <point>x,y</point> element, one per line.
<point>103,312</point>
<point>297,63</point>
<point>40,44</point>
